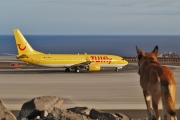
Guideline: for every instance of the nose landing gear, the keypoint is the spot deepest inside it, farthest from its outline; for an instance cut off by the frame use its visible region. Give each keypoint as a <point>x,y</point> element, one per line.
<point>117,69</point>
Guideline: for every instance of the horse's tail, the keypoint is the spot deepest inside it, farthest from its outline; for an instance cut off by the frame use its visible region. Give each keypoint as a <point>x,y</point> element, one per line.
<point>168,96</point>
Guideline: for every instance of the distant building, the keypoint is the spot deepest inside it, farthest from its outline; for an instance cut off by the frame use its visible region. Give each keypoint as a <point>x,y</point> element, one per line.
<point>169,55</point>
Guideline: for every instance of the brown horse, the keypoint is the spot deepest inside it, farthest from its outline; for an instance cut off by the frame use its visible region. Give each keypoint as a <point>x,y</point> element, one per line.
<point>157,83</point>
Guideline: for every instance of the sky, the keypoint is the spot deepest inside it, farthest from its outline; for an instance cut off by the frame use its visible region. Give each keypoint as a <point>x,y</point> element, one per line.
<point>90,17</point>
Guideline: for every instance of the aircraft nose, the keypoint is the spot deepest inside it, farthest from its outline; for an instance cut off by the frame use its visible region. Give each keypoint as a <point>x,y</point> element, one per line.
<point>126,62</point>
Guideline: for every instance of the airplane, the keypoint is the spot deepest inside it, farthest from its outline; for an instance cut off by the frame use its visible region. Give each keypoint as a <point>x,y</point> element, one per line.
<point>76,62</point>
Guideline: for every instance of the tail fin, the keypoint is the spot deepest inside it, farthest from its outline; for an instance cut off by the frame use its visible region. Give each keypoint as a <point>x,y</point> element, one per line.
<point>168,98</point>
<point>23,46</point>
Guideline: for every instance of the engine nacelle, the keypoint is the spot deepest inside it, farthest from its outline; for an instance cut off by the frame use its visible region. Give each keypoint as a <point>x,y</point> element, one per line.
<point>94,67</point>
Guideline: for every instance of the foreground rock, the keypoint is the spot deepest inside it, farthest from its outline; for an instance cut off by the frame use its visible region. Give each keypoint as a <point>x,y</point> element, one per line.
<point>40,106</point>
<point>49,108</point>
<point>5,114</point>
<point>101,115</point>
<point>59,114</point>
<point>84,113</point>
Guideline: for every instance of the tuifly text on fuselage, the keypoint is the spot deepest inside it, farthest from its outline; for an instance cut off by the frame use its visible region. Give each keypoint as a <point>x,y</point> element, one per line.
<point>101,59</point>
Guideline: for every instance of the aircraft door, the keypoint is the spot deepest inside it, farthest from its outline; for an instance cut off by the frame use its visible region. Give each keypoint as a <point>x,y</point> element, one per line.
<point>37,60</point>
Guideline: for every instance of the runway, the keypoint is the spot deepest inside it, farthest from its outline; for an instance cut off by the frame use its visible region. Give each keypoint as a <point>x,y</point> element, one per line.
<point>107,89</point>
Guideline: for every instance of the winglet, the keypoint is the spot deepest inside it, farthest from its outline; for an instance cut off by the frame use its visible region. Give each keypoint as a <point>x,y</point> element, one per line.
<point>87,58</point>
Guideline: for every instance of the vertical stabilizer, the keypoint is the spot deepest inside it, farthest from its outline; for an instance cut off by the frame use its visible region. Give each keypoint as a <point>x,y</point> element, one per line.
<point>23,46</point>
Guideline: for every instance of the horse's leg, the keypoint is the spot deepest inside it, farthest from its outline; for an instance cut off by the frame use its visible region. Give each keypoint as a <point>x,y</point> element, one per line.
<point>147,99</point>
<point>164,112</point>
<point>155,101</point>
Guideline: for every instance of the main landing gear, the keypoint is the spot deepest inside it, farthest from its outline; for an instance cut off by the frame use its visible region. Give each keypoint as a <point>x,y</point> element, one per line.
<point>117,69</point>
<point>75,70</point>
<point>67,70</point>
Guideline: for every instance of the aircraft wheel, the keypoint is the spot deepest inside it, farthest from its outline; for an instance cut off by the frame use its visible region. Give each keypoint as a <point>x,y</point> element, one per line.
<point>77,70</point>
<point>67,70</point>
<point>116,70</point>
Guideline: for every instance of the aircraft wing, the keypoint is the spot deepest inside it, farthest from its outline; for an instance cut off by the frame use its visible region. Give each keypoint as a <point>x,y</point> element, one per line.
<point>82,65</point>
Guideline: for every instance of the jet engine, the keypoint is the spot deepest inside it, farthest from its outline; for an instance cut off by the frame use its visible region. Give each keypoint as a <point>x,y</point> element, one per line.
<point>94,67</point>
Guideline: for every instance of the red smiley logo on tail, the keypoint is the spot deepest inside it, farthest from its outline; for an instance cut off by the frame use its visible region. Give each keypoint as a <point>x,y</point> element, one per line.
<point>19,46</point>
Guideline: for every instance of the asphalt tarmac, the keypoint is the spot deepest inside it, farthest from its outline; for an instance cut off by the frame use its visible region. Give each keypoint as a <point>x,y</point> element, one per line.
<point>106,90</point>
